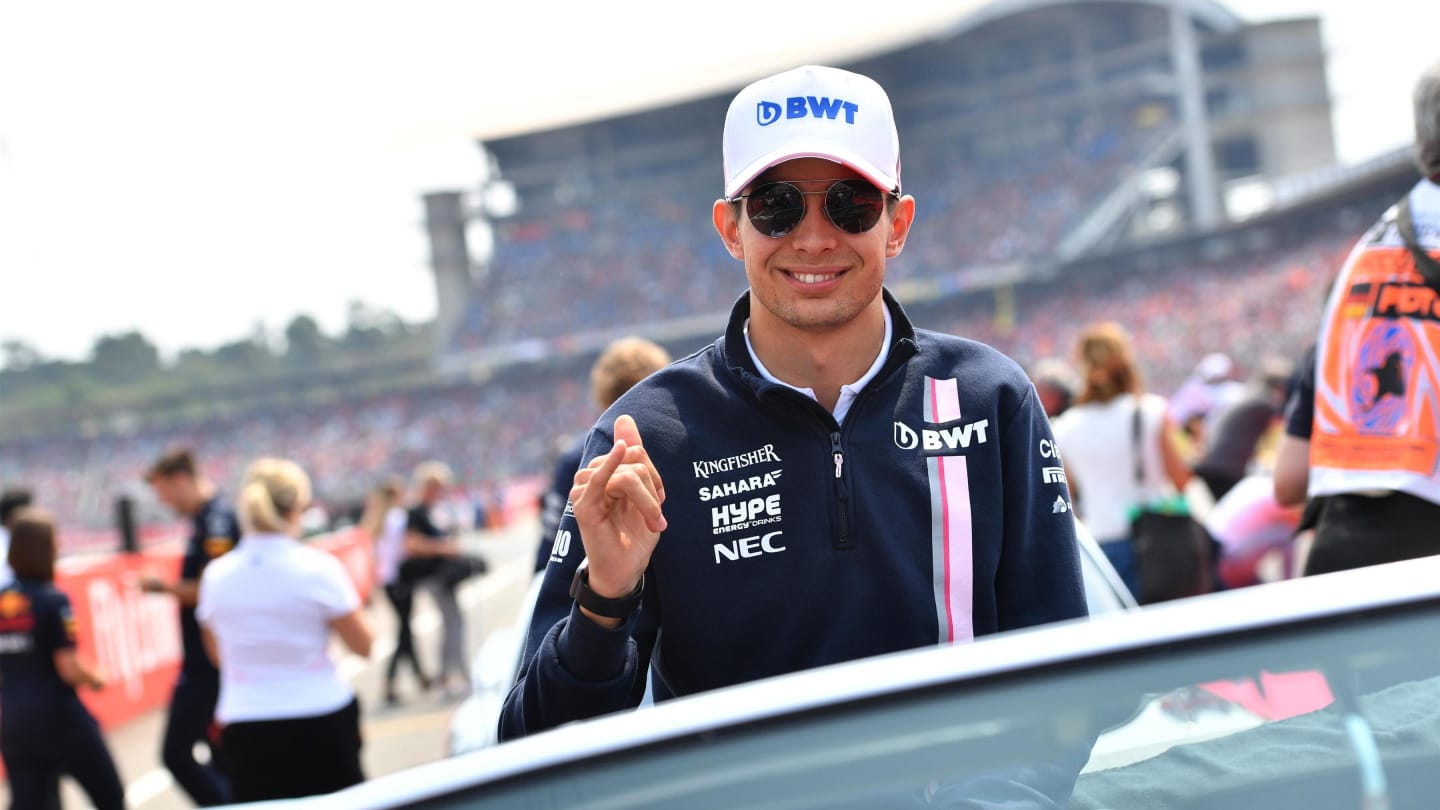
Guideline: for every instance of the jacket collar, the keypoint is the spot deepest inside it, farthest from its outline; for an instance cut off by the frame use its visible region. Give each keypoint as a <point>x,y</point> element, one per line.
<point>736,356</point>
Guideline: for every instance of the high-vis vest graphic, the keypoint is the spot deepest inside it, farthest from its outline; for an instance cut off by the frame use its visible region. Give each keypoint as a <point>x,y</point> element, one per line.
<point>1377,373</point>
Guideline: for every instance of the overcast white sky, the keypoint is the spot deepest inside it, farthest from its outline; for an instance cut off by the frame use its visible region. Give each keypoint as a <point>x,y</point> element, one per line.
<point>189,169</point>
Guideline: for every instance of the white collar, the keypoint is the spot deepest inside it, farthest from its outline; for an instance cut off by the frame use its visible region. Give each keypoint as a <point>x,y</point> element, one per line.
<point>847,392</point>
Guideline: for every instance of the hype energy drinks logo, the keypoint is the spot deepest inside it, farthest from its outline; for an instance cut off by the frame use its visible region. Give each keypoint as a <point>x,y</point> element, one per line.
<point>768,112</point>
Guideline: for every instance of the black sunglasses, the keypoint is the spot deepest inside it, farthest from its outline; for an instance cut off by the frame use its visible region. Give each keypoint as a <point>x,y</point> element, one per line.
<point>776,209</point>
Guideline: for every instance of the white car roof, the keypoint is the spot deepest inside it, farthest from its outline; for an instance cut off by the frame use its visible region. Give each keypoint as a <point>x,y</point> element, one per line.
<point>1240,611</point>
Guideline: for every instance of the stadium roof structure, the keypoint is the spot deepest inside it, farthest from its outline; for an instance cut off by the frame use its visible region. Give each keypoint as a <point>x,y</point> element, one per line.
<point>679,85</point>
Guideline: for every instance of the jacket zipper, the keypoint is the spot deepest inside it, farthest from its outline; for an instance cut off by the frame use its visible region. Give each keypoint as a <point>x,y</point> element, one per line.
<point>840,483</point>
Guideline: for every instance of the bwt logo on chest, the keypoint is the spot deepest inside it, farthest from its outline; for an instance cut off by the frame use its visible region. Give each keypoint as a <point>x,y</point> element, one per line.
<point>768,112</point>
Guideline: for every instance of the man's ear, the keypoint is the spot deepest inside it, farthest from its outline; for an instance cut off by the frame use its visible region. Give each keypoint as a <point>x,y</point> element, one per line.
<point>900,222</point>
<point>728,228</point>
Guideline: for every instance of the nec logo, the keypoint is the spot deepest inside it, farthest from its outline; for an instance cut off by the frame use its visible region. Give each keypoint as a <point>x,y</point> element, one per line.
<point>935,441</point>
<point>747,547</point>
<point>768,112</point>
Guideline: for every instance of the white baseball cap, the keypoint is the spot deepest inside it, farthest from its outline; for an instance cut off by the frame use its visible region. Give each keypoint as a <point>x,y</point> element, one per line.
<point>811,111</point>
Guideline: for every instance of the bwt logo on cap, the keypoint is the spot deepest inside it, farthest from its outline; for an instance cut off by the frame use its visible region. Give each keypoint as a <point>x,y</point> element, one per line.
<point>768,112</point>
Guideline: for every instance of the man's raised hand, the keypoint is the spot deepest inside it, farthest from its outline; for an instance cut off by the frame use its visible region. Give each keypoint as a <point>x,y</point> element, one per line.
<point>617,502</point>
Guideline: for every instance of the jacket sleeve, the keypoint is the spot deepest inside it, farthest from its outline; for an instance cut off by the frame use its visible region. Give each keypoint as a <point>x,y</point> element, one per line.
<point>552,508</point>
<point>572,668</point>
<point>1039,578</point>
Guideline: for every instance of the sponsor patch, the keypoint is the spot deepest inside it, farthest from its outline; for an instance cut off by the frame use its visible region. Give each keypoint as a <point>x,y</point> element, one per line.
<point>742,515</point>
<point>748,547</point>
<point>561,548</point>
<point>13,604</point>
<point>740,487</point>
<point>942,441</point>
<point>1053,475</point>
<point>1060,506</point>
<point>705,469</point>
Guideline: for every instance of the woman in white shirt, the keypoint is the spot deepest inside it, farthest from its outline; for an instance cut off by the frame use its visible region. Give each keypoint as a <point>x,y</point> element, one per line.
<point>1097,439</point>
<point>291,724</point>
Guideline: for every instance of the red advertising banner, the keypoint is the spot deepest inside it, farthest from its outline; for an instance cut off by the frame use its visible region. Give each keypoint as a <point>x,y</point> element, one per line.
<point>134,637</point>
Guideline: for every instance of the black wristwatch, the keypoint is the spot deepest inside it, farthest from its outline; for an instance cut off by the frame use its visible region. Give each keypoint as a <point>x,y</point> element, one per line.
<point>599,605</point>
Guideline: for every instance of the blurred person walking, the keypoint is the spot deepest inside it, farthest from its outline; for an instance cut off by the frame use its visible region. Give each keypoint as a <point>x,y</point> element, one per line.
<point>45,730</point>
<point>178,483</point>
<point>1239,428</point>
<point>624,363</point>
<point>11,502</point>
<point>435,562</point>
<point>1100,452</point>
<point>1375,443</point>
<point>385,519</point>
<point>1055,384</point>
<point>268,608</point>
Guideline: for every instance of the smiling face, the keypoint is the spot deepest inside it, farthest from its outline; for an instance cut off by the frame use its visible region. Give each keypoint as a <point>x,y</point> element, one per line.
<point>817,278</point>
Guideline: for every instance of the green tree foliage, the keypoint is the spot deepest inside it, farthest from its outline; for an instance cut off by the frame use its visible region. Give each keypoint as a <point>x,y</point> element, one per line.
<point>125,373</point>
<point>124,358</point>
<point>305,345</point>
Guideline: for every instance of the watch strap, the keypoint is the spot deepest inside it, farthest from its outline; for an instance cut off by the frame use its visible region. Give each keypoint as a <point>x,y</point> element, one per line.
<point>620,608</point>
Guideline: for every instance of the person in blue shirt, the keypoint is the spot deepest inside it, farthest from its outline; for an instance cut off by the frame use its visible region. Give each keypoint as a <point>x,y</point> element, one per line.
<point>214,530</point>
<point>45,730</point>
<point>823,483</point>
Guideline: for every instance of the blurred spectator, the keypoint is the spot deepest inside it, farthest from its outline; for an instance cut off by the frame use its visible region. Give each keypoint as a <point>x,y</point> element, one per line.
<point>291,723</point>
<point>11,502</point>
<point>384,520</point>
<point>179,484</point>
<point>435,561</point>
<point>623,363</point>
<point>1096,438</point>
<point>45,730</point>
<point>1055,384</point>
<point>1231,446</point>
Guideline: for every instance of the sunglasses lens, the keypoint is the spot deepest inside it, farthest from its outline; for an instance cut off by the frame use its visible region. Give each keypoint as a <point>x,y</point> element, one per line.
<point>854,206</point>
<point>775,208</point>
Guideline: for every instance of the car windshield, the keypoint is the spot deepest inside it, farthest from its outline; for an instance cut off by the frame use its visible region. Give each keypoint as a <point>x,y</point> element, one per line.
<point>1337,713</point>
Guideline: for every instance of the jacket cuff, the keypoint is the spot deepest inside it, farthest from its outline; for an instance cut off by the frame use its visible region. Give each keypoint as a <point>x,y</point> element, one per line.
<point>592,653</point>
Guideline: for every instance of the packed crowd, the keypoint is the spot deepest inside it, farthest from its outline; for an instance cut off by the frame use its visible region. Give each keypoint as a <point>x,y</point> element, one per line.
<point>507,427</point>
<point>647,251</point>
<point>490,432</point>
<point>1266,304</point>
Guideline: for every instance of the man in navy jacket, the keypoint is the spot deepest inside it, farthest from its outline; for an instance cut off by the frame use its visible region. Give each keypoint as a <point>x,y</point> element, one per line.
<point>824,482</point>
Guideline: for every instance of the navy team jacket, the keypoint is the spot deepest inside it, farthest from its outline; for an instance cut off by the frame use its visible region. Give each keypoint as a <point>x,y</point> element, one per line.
<point>935,514</point>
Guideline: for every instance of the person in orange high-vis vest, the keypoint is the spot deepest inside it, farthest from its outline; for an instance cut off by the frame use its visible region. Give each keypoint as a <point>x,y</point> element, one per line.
<point>1375,445</point>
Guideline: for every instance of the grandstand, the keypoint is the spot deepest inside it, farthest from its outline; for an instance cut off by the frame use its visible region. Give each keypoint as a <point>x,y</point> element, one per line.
<point>1032,132</point>
<point>1029,131</point>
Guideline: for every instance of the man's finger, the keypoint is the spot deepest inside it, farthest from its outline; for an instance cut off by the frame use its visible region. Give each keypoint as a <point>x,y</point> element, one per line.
<point>626,429</point>
<point>600,476</point>
<point>630,485</point>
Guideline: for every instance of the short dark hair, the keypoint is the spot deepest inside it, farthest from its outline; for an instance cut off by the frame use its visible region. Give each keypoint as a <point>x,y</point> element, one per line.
<point>13,500</point>
<point>179,461</point>
<point>32,545</point>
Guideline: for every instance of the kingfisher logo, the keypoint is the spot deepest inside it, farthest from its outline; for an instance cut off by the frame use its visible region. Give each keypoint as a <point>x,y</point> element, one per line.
<point>768,112</point>
<point>938,441</point>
